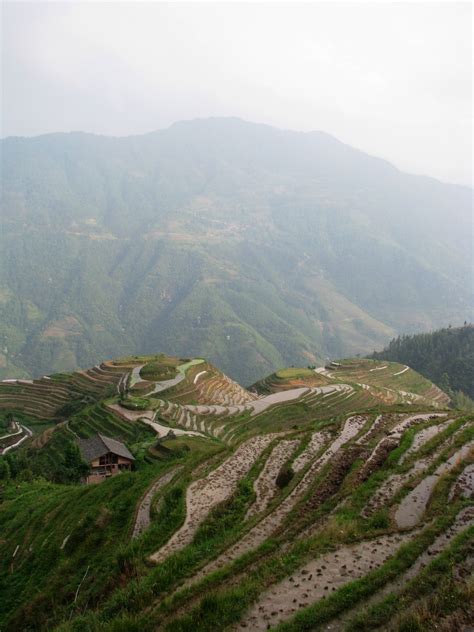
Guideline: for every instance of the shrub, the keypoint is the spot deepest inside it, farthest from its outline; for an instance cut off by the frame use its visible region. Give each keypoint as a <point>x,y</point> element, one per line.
<point>284,476</point>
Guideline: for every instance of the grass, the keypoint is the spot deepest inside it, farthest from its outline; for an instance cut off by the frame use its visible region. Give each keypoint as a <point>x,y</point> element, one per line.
<point>164,369</point>
<point>97,521</point>
<point>294,373</point>
<point>135,403</point>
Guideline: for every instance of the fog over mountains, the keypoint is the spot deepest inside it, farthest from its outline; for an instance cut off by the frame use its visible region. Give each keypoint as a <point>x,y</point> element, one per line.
<point>252,246</point>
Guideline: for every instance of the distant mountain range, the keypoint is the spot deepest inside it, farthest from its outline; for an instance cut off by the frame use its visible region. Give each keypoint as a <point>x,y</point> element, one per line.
<point>255,247</point>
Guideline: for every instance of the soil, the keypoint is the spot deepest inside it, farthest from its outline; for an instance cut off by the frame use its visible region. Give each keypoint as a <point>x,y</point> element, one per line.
<point>317,579</point>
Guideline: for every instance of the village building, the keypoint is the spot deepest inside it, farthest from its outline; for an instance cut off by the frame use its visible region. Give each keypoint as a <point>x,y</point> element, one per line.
<point>105,457</point>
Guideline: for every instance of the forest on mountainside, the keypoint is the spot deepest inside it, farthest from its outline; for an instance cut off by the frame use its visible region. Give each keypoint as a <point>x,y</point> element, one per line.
<point>255,247</point>
<point>445,356</point>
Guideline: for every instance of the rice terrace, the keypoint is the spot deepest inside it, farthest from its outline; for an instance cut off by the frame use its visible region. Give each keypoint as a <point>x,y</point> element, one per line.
<point>236,316</point>
<point>335,498</point>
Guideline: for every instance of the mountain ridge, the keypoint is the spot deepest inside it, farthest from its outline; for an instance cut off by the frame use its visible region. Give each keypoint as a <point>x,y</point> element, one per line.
<point>208,240</point>
<point>239,120</point>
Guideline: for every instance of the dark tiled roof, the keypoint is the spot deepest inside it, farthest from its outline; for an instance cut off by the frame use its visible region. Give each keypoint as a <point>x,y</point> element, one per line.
<point>117,447</point>
<point>97,446</point>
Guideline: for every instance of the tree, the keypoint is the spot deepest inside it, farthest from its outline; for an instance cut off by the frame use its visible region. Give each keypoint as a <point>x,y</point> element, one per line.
<point>444,383</point>
<point>73,468</point>
<point>4,470</point>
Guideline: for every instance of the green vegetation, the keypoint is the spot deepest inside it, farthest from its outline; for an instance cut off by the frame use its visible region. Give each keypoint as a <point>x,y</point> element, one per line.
<point>162,369</point>
<point>73,528</point>
<point>181,446</point>
<point>135,403</point>
<point>445,356</point>
<point>294,373</point>
<point>68,561</point>
<point>60,462</point>
<point>284,476</point>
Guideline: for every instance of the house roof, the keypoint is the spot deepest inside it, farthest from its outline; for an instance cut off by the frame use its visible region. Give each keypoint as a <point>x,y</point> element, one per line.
<point>98,445</point>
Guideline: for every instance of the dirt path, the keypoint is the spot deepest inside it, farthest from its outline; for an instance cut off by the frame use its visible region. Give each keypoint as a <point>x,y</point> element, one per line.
<point>203,495</point>
<point>258,534</point>
<point>318,579</point>
<point>16,427</point>
<point>265,486</point>
<point>412,507</point>
<point>27,433</point>
<point>142,518</point>
<point>148,417</point>
<point>407,368</point>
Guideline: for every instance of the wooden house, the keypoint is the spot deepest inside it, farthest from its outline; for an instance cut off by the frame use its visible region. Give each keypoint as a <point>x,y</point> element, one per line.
<point>105,456</point>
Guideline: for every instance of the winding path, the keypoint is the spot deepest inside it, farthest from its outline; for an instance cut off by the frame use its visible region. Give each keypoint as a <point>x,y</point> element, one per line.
<point>27,434</point>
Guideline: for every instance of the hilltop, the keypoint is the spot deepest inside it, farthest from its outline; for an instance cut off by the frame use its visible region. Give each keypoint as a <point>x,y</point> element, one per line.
<point>252,246</point>
<point>337,495</point>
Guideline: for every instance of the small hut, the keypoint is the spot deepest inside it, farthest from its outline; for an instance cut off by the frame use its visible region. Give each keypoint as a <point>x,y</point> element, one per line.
<point>105,456</point>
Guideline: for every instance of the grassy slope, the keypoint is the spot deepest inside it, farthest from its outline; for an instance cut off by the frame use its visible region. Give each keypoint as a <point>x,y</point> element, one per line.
<point>96,520</point>
<point>119,586</point>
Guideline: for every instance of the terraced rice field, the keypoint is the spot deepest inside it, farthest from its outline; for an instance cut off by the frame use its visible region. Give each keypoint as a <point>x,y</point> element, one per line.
<point>324,538</point>
<point>46,397</point>
<point>327,492</point>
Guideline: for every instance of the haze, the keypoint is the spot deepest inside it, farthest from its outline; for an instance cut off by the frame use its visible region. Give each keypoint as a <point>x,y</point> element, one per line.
<point>391,79</point>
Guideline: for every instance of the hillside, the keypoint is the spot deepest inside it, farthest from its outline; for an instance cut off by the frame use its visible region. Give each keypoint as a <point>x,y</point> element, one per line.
<point>335,498</point>
<point>446,356</point>
<point>243,243</point>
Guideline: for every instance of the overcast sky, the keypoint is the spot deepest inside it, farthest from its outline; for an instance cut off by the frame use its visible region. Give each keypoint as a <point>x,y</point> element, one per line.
<point>394,80</point>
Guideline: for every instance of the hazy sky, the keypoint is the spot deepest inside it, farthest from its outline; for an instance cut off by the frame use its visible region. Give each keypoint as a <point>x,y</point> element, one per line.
<point>392,79</point>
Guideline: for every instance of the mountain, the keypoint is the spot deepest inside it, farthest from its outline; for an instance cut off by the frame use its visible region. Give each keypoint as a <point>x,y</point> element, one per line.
<point>253,246</point>
<point>294,505</point>
<point>446,356</point>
